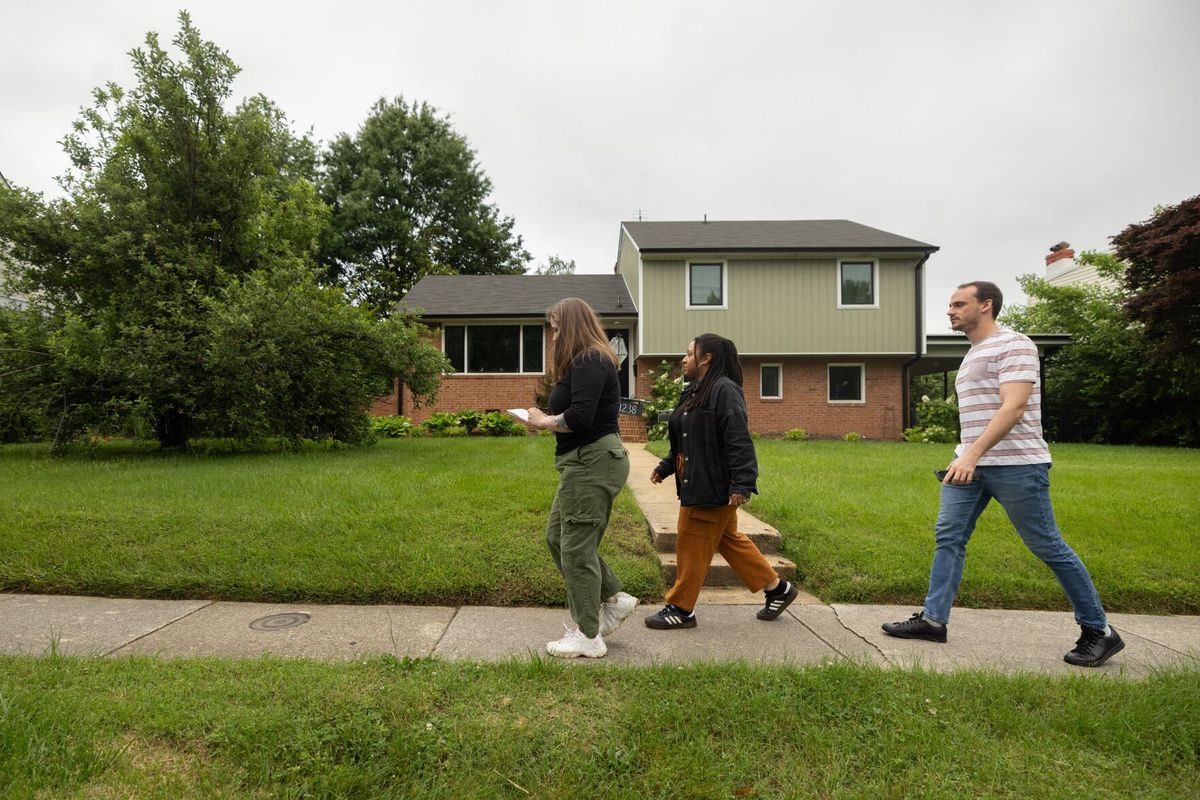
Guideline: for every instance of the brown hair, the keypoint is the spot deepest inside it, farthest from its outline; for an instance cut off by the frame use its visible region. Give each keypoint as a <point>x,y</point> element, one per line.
<point>579,332</point>
<point>985,290</point>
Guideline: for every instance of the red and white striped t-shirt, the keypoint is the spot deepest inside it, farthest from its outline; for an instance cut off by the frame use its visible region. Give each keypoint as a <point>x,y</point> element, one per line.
<point>1005,356</point>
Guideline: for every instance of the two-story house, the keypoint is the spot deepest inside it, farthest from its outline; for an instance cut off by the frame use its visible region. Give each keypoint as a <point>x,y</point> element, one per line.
<point>827,316</point>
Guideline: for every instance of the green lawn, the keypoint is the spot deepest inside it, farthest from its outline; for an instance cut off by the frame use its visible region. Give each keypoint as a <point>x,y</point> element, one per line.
<point>398,729</point>
<point>433,521</point>
<point>858,521</point>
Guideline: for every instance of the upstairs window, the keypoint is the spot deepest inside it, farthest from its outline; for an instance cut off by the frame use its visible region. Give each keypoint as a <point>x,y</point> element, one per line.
<point>706,285</point>
<point>481,349</point>
<point>856,284</point>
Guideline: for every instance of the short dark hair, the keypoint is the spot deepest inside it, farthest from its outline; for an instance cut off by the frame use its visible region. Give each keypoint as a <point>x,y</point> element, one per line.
<point>986,290</point>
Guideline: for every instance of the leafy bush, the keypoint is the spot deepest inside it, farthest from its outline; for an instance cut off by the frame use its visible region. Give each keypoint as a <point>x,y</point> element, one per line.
<point>497,423</point>
<point>392,427</point>
<point>930,433</point>
<point>664,396</point>
<point>852,436</point>
<point>439,421</point>
<point>936,412</point>
<point>493,423</point>
<point>796,435</point>
<point>450,432</point>
<point>469,419</point>
<point>937,421</point>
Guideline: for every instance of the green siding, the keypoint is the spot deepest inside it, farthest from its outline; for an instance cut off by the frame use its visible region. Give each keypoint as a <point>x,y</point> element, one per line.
<point>627,265</point>
<point>781,304</point>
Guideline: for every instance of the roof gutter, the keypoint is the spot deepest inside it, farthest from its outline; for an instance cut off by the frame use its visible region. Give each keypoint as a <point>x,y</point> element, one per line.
<point>919,341</point>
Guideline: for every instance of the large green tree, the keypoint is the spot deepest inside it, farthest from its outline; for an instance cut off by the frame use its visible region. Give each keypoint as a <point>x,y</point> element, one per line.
<point>409,199</point>
<point>175,283</point>
<point>1105,386</point>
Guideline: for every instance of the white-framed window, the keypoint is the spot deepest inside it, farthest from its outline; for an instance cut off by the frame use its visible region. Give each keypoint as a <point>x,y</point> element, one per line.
<point>494,349</point>
<point>770,381</point>
<point>707,284</point>
<point>858,283</point>
<point>847,383</point>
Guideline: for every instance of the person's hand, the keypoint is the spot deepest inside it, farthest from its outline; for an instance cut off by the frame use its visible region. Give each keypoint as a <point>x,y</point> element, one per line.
<point>738,499</point>
<point>961,469</point>
<point>536,418</point>
<point>655,477</point>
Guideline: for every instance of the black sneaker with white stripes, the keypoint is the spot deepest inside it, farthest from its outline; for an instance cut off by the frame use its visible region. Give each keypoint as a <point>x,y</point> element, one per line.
<point>670,618</point>
<point>778,600</point>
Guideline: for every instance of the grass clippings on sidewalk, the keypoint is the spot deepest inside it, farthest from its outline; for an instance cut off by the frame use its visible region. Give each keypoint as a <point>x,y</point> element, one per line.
<point>426,521</point>
<point>857,518</point>
<point>398,729</point>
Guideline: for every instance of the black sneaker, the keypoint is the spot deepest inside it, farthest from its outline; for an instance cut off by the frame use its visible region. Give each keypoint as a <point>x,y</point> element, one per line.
<point>670,618</point>
<point>915,627</point>
<point>1094,648</point>
<point>775,605</point>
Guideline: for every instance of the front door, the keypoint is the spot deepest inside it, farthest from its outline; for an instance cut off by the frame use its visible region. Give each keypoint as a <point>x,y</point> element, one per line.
<point>619,339</point>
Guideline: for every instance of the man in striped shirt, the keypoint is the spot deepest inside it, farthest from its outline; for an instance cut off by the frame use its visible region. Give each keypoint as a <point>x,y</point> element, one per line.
<point>1002,455</point>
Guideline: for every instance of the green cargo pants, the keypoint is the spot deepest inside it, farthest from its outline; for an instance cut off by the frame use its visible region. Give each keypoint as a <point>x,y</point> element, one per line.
<point>590,478</point>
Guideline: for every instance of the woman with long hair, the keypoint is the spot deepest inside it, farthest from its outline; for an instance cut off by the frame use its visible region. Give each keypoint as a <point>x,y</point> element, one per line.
<point>712,459</point>
<point>592,466</point>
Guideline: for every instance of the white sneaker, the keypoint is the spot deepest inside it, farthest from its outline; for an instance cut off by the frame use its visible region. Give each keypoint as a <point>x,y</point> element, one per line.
<point>613,614</point>
<point>574,644</point>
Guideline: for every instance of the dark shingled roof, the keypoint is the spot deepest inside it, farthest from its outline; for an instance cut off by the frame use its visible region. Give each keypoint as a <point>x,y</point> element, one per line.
<point>767,235</point>
<point>515,295</point>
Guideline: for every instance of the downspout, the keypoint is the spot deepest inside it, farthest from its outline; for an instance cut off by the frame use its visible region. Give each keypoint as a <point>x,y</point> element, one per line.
<point>919,343</point>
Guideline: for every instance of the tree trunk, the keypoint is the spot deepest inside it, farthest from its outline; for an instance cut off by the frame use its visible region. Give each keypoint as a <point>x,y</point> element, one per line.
<point>172,429</point>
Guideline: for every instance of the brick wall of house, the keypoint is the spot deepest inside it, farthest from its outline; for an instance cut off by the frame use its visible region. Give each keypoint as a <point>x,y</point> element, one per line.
<point>477,393</point>
<point>805,391</point>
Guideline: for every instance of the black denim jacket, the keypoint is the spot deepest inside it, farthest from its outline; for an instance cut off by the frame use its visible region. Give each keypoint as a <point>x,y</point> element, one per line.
<point>714,442</point>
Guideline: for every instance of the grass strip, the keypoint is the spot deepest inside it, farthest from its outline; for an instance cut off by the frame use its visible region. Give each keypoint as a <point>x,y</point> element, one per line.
<point>77,727</point>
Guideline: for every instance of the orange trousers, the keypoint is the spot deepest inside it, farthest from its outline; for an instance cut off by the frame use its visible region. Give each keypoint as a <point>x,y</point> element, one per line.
<point>704,530</point>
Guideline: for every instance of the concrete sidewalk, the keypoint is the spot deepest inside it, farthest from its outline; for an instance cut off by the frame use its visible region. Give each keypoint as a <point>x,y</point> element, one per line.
<point>1004,640</point>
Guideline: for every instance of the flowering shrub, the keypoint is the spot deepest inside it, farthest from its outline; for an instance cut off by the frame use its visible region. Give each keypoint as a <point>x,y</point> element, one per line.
<point>937,421</point>
<point>664,396</point>
<point>930,433</point>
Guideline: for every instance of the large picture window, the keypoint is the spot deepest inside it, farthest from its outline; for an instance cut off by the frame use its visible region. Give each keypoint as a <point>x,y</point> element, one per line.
<point>706,285</point>
<point>857,284</point>
<point>846,383</point>
<point>476,349</point>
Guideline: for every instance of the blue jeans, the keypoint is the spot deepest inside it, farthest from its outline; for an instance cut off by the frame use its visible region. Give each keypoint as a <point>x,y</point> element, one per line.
<point>1023,491</point>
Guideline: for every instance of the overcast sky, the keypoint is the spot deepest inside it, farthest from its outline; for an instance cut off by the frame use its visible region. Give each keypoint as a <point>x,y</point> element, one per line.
<point>990,129</point>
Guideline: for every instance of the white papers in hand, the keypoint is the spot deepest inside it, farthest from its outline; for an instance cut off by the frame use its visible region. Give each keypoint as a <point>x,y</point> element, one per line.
<point>520,414</point>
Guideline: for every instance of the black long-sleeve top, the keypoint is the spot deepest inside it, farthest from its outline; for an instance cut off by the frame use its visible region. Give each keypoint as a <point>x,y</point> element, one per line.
<point>714,445</point>
<point>589,398</point>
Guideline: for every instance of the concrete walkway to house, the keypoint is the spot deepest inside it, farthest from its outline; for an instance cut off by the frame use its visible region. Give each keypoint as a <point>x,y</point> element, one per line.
<point>809,632</point>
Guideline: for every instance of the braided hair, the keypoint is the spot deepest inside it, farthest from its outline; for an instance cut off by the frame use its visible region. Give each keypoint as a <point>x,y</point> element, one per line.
<point>724,363</point>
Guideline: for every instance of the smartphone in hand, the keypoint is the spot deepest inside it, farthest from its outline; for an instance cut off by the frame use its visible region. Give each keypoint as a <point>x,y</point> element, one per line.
<point>941,476</point>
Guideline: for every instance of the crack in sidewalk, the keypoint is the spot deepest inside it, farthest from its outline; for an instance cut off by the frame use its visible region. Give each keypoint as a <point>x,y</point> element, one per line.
<point>121,647</point>
<point>867,641</point>
<point>1126,632</point>
<point>445,630</point>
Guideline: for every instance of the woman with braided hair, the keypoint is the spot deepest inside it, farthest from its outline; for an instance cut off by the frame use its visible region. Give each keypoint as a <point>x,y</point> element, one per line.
<point>712,459</point>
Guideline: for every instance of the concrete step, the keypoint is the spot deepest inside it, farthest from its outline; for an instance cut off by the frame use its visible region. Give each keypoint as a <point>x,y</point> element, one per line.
<point>720,573</point>
<point>767,541</point>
